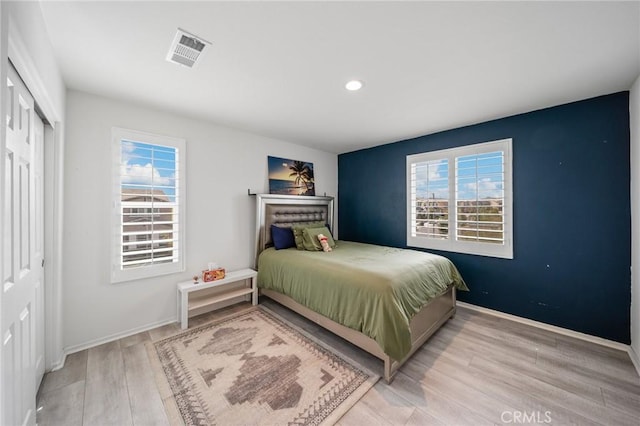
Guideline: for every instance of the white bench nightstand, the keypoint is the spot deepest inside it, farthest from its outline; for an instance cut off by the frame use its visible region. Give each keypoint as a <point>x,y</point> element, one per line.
<point>192,297</point>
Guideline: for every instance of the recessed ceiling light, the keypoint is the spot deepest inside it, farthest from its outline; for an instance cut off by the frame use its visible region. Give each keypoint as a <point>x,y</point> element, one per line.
<point>353,85</point>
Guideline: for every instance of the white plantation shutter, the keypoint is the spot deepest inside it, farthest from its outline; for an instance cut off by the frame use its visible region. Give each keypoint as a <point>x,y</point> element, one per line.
<point>429,208</point>
<point>480,198</point>
<point>460,199</point>
<point>148,220</point>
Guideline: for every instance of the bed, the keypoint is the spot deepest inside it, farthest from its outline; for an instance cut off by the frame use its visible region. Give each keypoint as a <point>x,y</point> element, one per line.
<point>385,300</point>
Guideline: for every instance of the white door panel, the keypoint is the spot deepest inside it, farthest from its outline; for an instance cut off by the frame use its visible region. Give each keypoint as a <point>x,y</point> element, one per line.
<point>22,299</point>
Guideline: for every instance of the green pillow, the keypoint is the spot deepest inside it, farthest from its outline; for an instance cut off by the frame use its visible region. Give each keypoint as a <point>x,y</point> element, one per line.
<point>310,239</point>
<point>297,232</point>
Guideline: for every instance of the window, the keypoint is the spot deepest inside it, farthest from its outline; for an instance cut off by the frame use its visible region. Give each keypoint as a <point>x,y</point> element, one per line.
<point>148,199</point>
<point>460,199</point>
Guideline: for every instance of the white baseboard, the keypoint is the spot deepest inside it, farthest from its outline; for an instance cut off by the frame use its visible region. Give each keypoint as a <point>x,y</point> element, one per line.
<point>634,358</point>
<point>564,331</point>
<point>59,363</point>
<point>549,327</point>
<point>116,336</point>
<point>96,342</point>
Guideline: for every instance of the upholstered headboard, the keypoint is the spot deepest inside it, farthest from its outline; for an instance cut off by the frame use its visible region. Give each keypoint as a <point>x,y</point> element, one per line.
<point>287,210</point>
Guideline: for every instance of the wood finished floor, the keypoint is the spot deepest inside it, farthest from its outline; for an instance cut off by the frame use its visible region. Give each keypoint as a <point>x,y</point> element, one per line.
<point>476,370</point>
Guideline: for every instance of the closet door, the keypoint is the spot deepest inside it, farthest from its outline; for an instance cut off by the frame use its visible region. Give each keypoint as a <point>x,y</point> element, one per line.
<point>22,283</point>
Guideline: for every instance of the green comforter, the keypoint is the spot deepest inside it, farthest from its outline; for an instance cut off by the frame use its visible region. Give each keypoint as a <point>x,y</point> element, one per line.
<point>372,289</point>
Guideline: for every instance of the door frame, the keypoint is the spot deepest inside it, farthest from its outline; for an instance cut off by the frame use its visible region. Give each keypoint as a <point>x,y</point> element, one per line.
<point>4,65</point>
<point>13,48</point>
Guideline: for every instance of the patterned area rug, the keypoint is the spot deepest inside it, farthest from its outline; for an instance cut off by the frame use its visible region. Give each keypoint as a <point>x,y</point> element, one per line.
<point>254,368</point>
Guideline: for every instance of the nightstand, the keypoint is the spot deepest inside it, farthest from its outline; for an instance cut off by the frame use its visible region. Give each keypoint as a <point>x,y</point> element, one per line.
<point>193,297</point>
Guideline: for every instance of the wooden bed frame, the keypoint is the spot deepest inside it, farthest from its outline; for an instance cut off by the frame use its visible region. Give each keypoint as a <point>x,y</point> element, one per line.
<point>285,210</point>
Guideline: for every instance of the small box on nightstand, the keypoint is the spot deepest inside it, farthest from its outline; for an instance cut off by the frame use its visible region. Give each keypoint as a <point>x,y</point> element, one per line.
<point>213,274</point>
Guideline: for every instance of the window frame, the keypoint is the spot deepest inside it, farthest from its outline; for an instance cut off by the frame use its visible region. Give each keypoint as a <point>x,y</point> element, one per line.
<point>452,244</point>
<point>118,135</point>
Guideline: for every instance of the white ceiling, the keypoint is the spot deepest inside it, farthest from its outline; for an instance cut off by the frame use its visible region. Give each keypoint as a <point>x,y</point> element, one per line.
<point>279,68</point>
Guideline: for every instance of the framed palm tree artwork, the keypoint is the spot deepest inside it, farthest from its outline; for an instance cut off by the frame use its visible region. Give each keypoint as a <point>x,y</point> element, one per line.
<point>290,177</point>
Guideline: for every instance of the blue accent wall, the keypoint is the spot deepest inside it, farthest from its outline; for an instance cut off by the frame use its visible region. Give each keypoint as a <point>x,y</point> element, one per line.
<point>572,213</point>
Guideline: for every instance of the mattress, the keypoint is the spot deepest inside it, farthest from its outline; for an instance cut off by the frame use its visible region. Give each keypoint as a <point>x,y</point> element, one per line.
<point>372,289</point>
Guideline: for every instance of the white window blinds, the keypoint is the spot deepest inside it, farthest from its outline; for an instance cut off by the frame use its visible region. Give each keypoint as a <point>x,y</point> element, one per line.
<point>430,199</point>
<point>460,199</point>
<point>480,198</point>
<point>148,200</point>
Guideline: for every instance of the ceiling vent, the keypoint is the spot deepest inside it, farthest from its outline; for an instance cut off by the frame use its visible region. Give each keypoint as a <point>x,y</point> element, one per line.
<point>186,49</point>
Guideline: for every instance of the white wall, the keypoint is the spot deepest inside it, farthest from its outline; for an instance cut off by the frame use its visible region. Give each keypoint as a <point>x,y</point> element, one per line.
<point>634,111</point>
<point>221,165</point>
<point>27,30</point>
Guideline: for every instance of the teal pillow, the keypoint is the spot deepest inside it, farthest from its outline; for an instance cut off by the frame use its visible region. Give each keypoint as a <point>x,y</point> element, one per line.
<point>297,232</point>
<point>310,239</point>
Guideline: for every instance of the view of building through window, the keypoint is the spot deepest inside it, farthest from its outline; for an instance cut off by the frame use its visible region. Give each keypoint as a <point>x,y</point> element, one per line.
<point>460,199</point>
<point>431,181</point>
<point>148,204</point>
<point>479,198</point>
